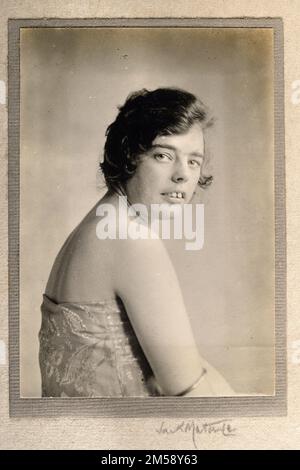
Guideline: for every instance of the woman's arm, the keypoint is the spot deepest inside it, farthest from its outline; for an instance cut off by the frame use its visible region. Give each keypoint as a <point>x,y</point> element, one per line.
<point>146,281</point>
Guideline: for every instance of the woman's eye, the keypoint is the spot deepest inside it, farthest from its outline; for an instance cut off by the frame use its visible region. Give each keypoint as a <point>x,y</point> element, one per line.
<point>195,163</point>
<point>162,157</point>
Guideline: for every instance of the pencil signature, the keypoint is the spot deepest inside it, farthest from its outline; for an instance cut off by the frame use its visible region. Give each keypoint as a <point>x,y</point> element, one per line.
<point>222,426</point>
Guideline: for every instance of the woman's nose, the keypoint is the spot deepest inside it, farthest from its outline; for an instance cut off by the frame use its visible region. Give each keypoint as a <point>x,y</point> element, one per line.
<point>180,173</point>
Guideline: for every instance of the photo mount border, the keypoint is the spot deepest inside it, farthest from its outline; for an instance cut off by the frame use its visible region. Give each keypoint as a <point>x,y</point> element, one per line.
<point>134,407</point>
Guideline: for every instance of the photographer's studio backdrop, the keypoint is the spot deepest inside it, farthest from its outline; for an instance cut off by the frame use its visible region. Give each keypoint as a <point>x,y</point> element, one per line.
<point>72,81</point>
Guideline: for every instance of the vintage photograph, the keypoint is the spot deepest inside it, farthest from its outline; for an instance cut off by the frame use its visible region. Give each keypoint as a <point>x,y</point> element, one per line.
<point>147,219</point>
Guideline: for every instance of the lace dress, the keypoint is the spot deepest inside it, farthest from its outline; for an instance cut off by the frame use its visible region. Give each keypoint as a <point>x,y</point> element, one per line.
<point>91,350</point>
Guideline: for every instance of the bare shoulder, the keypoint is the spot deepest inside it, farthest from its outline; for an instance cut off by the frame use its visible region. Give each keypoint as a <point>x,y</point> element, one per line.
<point>141,246</point>
<point>143,270</point>
<point>125,234</point>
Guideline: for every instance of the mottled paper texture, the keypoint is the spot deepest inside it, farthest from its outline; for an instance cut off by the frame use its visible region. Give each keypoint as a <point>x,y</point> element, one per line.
<point>137,433</point>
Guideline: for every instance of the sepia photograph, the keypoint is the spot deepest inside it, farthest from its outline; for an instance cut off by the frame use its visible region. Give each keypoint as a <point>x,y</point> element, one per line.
<point>147,196</point>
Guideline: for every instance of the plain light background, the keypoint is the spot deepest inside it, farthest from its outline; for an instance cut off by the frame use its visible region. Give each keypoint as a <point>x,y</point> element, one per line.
<point>71,83</point>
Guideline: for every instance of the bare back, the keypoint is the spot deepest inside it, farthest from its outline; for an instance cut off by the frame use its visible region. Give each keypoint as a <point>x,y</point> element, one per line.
<point>82,269</point>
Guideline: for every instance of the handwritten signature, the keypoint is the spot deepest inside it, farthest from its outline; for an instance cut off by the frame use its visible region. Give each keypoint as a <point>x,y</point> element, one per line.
<point>222,426</point>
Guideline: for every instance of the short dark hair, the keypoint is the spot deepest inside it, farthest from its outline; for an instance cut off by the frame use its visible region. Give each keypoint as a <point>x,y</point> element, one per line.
<point>144,116</point>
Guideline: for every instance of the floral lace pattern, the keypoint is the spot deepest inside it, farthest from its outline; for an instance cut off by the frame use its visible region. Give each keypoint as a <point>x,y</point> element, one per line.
<point>91,350</point>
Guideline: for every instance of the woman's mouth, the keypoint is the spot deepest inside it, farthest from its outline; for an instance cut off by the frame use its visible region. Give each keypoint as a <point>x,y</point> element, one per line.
<point>175,196</point>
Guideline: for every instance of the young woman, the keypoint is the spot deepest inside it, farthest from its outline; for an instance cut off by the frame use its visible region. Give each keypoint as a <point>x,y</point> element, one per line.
<point>113,318</point>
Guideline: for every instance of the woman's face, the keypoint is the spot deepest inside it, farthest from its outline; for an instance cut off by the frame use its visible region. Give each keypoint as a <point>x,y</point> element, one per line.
<point>169,171</point>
